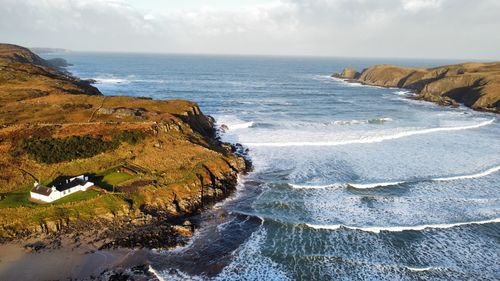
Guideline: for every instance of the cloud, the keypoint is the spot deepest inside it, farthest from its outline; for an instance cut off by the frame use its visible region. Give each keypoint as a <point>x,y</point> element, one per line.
<point>404,28</point>
<point>417,5</point>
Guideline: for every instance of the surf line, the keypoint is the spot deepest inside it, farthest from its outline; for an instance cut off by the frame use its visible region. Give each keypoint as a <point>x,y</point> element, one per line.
<point>378,229</point>
<point>387,184</point>
<point>473,176</point>
<point>371,139</point>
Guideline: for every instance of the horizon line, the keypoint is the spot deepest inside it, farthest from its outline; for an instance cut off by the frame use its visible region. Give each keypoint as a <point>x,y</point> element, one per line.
<point>264,55</point>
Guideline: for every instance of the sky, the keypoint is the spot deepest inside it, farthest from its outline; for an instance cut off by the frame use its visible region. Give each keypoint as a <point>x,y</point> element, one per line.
<point>455,29</point>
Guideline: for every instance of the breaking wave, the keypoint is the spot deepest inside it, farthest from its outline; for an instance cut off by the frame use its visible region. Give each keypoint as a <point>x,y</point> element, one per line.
<point>421,269</point>
<point>473,176</point>
<point>372,139</point>
<point>394,183</point>
<point>240,126</point>
<point>298,186</point>
<point>373,185</point>
<point>377,229</point>
<point>110,79</point>
<point>102,80</point>
<point>402,93</point>
<point>366,121</point>
<point>230,126</point>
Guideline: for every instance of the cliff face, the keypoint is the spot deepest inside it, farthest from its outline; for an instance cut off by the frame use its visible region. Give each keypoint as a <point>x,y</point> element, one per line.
<point>476,85</point>
<point>183,167</point>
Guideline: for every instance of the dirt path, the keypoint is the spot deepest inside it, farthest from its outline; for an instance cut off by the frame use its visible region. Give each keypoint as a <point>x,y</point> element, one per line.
<point>97,109</point>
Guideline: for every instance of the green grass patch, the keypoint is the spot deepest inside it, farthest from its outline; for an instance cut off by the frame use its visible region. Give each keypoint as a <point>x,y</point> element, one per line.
<point>16,199</point>
<point>117,177</point>
<point>108,179</point>
<point>77,196</point>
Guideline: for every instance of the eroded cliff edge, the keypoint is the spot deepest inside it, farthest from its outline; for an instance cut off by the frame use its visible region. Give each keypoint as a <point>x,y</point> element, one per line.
<point>476,85</point>
<point>53,124</point>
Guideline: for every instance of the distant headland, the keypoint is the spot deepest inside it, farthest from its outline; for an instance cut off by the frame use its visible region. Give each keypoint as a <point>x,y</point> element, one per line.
<point>476,85</point>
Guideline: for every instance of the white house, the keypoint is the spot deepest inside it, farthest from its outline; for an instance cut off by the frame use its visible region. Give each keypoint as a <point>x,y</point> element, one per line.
<point>60,189</point>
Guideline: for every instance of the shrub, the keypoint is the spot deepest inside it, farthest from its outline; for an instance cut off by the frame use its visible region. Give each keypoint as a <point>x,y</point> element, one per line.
<point>50,150</point>
<point>131,137</point>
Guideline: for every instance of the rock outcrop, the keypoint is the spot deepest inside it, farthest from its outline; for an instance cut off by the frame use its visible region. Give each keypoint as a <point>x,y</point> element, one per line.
<point>347,73</point>
<point>476,85</point>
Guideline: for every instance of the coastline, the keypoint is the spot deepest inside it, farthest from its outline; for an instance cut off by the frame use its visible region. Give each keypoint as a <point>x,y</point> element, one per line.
<point>82,256</point>
<point>159,205</point>
<point>475,85</point>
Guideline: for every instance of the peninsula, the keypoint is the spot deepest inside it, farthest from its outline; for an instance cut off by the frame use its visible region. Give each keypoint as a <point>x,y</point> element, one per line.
<point>153,163</point>
<point>476,85</point>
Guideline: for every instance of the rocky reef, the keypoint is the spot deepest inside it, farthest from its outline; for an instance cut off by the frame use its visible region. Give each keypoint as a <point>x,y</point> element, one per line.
<point>476,85</point>
<point>180,166</point>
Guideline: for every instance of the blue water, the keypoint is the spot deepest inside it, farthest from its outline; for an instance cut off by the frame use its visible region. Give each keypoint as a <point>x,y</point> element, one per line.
<point>350,182</point>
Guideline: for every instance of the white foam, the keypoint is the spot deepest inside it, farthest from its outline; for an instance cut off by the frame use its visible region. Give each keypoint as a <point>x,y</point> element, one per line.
<point>378,229</point>
<point>249,263</point>
<point>373,185</point>
<point>231,122</point>
<point>385,184</point>
<point>365,121</point>
<point>353,83</point>
<point>155,273</point>
<point>239,126</point>
<point>473,176</point>
<point>323,78</point>
<point>224,225</point>
<point>372,139</point>
<point>297,186</point>
<point>402,93</point>
<point>110,80</point>
<point>421,269</point>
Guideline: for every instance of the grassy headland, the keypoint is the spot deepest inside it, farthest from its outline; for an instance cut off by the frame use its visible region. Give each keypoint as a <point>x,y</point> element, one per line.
<point>53,124</point>
<point>476,85</point>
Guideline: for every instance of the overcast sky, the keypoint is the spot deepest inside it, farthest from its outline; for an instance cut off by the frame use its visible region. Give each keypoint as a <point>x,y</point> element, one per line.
<point>460,29</point>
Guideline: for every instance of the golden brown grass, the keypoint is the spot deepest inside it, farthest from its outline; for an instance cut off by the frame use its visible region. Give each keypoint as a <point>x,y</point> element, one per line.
<point>476,85</point>
<point>37,101</point>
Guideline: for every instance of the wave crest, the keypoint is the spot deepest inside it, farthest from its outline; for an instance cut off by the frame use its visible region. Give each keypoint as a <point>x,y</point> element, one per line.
<point>373,185</point>
<point>473,176</point>
<point>365,121</point>
<point>421,269</point>
<point>394,183</point>
<point>378,229</point>
<point>373,139</point>
<point>235,126</point>
<point>298,186</point>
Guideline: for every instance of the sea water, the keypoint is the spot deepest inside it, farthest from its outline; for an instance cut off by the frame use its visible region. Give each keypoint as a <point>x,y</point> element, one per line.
<point>350,182</point>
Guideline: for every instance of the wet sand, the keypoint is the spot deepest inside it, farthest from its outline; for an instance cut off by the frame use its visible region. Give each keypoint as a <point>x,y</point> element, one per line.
<point>66,262</point>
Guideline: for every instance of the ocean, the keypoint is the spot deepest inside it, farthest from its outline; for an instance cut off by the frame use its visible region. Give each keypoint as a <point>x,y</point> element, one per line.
<point>350,182</point>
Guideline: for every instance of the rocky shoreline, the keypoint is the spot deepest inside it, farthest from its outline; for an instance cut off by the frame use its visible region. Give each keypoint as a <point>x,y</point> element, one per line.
<point>185,169</point>
<point>476,85</point>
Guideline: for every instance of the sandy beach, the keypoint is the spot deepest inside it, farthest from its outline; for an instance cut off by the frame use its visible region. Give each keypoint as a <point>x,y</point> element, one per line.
<point>70,261</point>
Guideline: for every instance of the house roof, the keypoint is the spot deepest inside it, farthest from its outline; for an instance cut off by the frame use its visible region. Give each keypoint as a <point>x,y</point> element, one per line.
<point>63,185</point>
<point>43,190</point>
